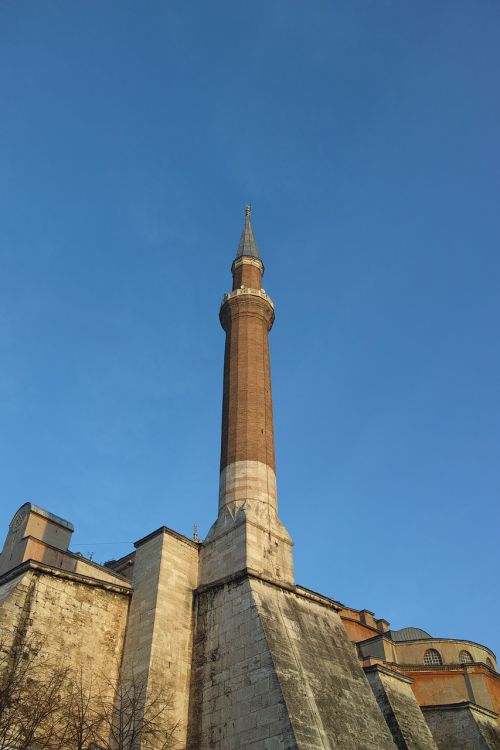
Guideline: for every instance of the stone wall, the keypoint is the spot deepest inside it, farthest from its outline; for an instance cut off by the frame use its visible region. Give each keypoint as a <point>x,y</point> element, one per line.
<point>159,634</point>
<point>81,624</point>
<point>328,699</point>
<point>463,727</point>
<point>274,669</point>
<point>400,709</point>
<point>236,700</point>
<point>240,542</point>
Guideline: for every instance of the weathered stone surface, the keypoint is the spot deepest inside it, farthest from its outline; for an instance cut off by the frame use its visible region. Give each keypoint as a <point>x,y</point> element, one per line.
<point>236,700</point>
<point>240,542</point>
<point>35,535</point>
<point>32,522</point>
<point>271,665</point>
<point>463,726</point>
<point>80,624</point>
<point>328,699</point>
<point>160,626</point>
<point>400,709</point>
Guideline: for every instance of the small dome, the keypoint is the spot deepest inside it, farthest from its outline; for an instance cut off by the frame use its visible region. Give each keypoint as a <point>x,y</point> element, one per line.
<point>409,634</point>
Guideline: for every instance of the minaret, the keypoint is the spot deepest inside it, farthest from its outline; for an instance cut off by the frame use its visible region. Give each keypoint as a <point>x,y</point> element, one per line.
<point>248,533</point>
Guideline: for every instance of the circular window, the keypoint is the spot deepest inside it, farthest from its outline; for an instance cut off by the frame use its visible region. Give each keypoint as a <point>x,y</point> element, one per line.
<point>432,658</point>
<point>465,657</point>
<point>17,520</point>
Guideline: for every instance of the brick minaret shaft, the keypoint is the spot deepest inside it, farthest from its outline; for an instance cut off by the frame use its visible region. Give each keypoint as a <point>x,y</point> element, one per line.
<point>247,536</point>
<point>247,462</point>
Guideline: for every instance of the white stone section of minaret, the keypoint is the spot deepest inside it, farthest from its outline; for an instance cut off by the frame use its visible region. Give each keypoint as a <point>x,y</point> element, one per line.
<point>249,483</point>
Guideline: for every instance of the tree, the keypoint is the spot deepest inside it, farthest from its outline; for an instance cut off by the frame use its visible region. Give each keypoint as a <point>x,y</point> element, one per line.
<point>80,716</point>
<point>47,706</point>
<point>138,718</point>
<point>30,696</point>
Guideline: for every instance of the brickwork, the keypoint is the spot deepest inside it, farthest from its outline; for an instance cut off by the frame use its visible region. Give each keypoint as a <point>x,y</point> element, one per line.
<point>247,272</point>
<point>247,534</point>
<point>247,416</point>
<point>400,709</point>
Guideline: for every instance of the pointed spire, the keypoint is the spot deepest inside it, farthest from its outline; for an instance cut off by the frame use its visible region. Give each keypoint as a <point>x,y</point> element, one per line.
<point>248,246</point>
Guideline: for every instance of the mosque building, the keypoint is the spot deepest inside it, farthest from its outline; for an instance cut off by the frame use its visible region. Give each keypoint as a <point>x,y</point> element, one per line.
<point>251,658</point>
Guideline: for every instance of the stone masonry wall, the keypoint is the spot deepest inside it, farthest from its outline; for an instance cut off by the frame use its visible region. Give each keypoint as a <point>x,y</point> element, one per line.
<point>272,669</point>
<point>236,700</point>
<point>81,625</point>
<point>329,702</point>
<point>238,543</point>
<point>462,727</point>
<point>159,633</point>
<point>400,709</point>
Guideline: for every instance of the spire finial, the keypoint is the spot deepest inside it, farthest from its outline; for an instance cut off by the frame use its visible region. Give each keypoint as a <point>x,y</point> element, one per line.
<point>247,246</point>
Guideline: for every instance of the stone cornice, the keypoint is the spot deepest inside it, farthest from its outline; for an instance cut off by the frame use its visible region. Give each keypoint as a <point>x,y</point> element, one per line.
<point>247,260</point>
<point>458,706</point>
<point>39,567</point>
<point>74,556</point>
<point>387,671</point>
<point>250,522</point>
<point>171,532</point>
<point>253,574</point>
<point>49,516</point>
<point>456,667</point>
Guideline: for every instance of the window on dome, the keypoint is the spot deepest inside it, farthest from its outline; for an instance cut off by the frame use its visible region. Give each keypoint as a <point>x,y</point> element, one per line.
<point>465,657</point>
<point>490,663</point>
<point>432,658</point>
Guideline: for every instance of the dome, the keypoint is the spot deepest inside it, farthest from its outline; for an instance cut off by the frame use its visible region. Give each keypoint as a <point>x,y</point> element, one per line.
<point>409,634</point>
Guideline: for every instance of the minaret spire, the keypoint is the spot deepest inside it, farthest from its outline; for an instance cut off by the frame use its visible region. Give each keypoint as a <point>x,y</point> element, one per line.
<point>248,529</point>
<point>247,246</point>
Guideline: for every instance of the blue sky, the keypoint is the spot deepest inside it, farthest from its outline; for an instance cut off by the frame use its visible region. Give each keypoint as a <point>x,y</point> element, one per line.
<point>366,136</point>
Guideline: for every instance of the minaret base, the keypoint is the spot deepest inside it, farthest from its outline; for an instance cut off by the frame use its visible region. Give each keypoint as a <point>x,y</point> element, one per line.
<point>238,543</point>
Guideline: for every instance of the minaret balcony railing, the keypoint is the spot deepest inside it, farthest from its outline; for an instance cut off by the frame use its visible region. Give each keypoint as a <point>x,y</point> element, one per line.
<point>246,290</point>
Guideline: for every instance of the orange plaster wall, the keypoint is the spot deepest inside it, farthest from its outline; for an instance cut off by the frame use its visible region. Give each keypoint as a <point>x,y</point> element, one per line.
<point>492,685</point>
<point>357,631</point>
<point>433,688</point>
<point>438,687</point>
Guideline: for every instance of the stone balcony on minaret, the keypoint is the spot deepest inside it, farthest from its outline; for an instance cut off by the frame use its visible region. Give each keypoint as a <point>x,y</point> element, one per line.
<point>247,534</point>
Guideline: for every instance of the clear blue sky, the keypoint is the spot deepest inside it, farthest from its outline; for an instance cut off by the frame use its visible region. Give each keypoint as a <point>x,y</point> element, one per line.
<point>366,136</point>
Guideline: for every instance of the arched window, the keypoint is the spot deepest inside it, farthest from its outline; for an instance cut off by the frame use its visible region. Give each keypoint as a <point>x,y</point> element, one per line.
<point>465,657</point>
<point>432,658</point>
<point>490,663</point>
